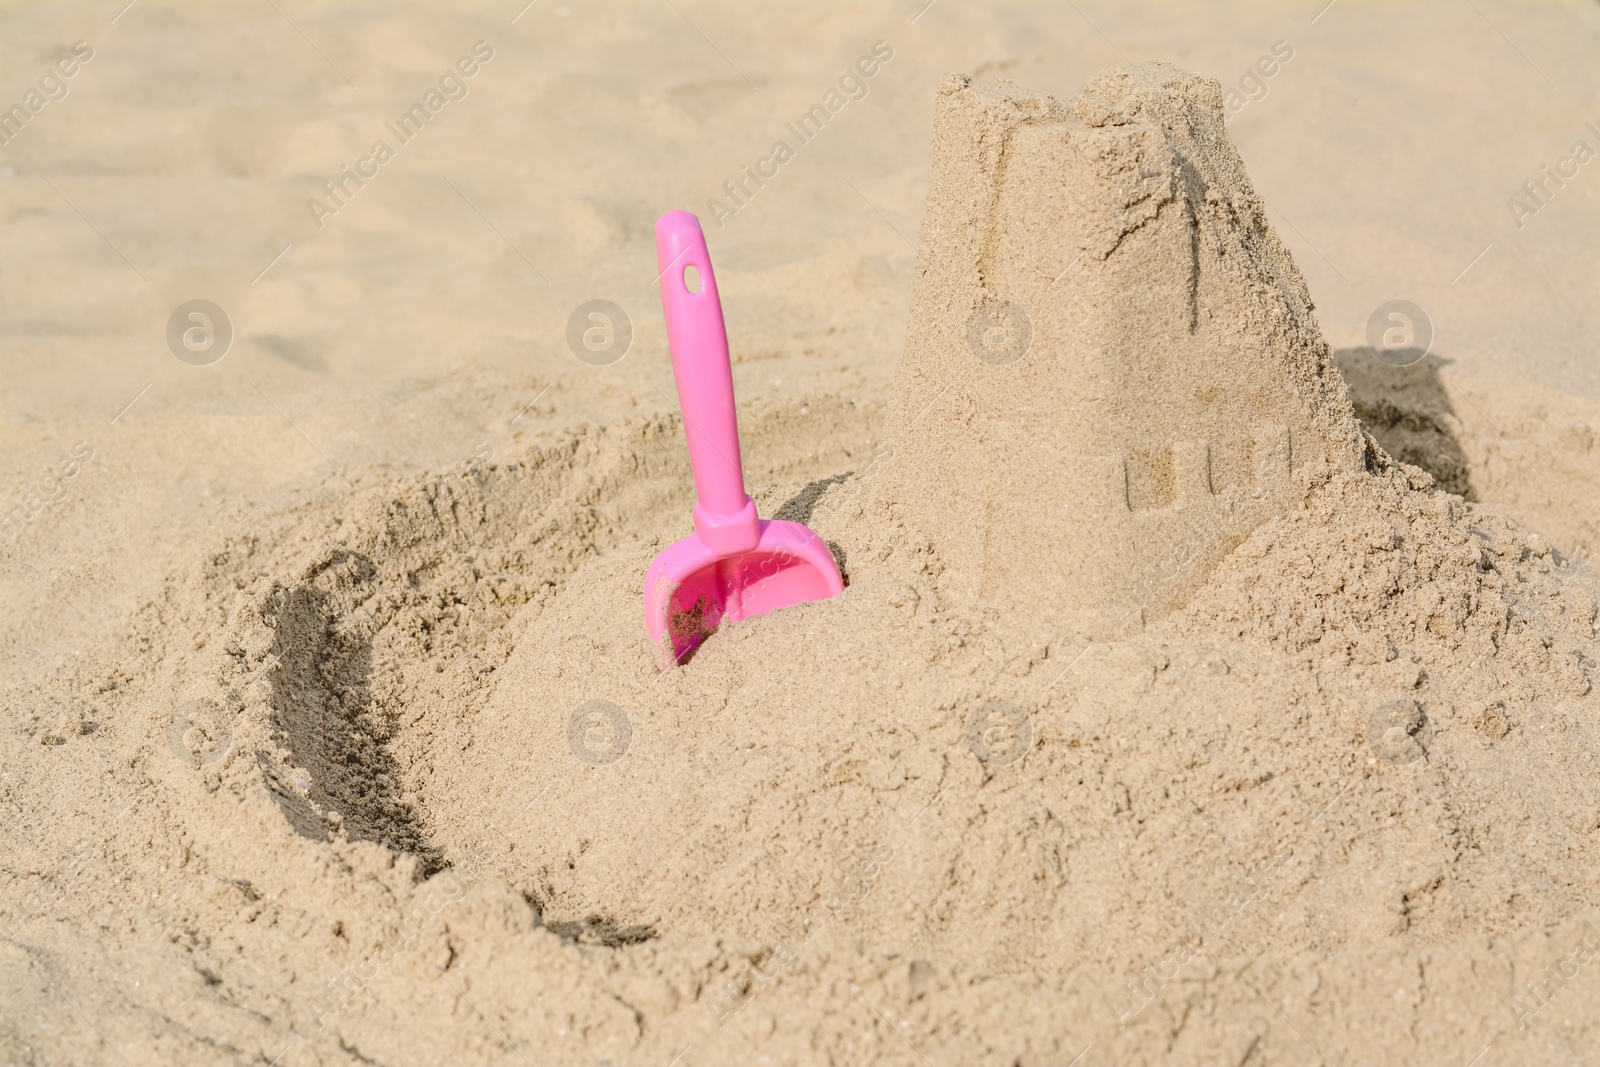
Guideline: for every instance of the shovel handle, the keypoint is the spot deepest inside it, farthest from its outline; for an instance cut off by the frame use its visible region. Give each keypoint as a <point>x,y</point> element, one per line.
<point>725,516</point>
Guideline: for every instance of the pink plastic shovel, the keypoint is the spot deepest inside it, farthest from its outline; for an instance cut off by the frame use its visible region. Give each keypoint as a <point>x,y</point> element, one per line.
<point>735,565</point>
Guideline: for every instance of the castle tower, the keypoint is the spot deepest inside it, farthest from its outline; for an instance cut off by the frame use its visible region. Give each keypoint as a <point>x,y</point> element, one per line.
<point>1112,373</point>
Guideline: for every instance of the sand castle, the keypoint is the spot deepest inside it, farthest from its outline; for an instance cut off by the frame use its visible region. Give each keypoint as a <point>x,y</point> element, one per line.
<point>1105,323</point>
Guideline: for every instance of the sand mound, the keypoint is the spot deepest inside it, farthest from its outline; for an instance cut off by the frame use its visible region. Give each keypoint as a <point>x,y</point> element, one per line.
<point>1335,797</point>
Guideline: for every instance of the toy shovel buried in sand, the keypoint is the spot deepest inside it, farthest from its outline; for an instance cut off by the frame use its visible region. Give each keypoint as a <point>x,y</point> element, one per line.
<point>735,565</point>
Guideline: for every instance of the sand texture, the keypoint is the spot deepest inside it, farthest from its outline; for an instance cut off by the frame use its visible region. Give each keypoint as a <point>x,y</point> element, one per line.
<point>1205,689</point>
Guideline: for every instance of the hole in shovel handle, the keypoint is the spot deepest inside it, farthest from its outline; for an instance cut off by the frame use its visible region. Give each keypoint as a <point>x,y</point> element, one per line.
<point>691,278</point>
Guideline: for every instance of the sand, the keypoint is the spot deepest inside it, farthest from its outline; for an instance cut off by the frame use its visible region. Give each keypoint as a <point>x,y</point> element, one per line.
<point>1092,257</point>
<point>1200,691</point>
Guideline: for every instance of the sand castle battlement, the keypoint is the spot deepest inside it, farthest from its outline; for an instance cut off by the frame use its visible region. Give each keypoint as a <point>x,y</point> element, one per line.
<point>1112,372</point>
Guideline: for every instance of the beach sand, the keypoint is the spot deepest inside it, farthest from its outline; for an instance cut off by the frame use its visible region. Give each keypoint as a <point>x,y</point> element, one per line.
<point>332,731</point>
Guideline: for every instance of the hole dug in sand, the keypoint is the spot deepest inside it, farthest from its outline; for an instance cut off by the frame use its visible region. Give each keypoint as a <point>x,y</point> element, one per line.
<point>338,742</point>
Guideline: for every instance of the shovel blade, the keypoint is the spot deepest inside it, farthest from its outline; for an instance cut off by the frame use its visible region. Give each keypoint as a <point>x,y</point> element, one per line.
<point>690,590</point>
